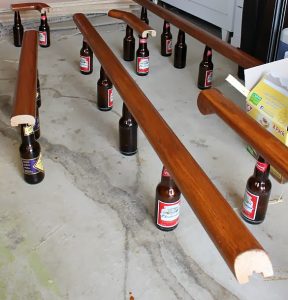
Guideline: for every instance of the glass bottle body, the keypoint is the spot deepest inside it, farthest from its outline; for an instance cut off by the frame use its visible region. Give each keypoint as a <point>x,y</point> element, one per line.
<point>86,59</point>
<point>104,92</point>
<point>205,74</point>
<point>180,51</point>
<point>44,32</point>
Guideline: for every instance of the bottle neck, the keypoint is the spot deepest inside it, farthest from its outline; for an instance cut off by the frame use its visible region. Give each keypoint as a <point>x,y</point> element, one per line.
<point>129,31</point>
<point>207,54</point>
<point>262,169</point>
<point>142,43</point>
<point>17,18</point>
<point>143,14</point>
<point>181,37</point>
<point>43,18</point>
<point>166,178</point>
<point>103,75</point>
<point>126,113</point>
<point>166,26</point>
<point>27,134</point>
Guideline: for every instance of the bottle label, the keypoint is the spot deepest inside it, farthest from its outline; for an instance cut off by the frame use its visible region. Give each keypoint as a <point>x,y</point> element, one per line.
<point>143,65</point>
<point>250,205</point>
<point>110,97</point>
<point>169,46</point>
<point>208,78</point>
<point>165,172</point>
<point>167,25</point>
<point>209,53</point>
<point>28,130</point>
<point>43,38</point>
<point>33,166</point>
<point>43,18</point>
<point>168,214</point>
<point>85,64</point>
<point>262,167</point>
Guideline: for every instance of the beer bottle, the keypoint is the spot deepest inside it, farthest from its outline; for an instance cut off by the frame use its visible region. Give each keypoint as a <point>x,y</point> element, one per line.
<point>104,92</point>
<point>142,58</point>
<point>129,45</point>
<point>166,40</point>
<point>143,16</point>
<point>205,70</point>
<point>180,51</point>
<point>86,59</point>
<point>127,133</point>
<point>30,153</point>
<point>17,30</point>
<point>38,93</point>
<point>167,203</point>
<point>257,193</point>
<point>36,127</point>
<point>44,32</point>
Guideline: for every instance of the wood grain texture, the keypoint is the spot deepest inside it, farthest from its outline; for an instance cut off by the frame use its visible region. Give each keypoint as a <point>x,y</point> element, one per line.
<point>222,224</point>
<point>24,107</point>
<point>41,7</point>
<point>134,22</point>
<point>240,57</point>
<point>276,153</point>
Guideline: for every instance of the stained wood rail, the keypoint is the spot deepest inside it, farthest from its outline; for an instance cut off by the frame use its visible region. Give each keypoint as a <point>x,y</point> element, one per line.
<point>135,23</point>
<point>240,57</point>
<point>241,251</point>
<point>276,153</point>
<point>41,7</point>
<point>24,107</point>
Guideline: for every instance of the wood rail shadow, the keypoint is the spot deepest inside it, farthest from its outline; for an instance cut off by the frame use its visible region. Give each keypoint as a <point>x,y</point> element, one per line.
<point>41,7</point>
<point>238,56</point>
<point>24,107</point>
<point>241,251</point>
<point>135,23</point>
<point>275,152</point>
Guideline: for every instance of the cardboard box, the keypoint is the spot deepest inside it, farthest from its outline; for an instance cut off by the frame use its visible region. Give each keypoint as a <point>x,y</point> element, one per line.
<point>267,103</point>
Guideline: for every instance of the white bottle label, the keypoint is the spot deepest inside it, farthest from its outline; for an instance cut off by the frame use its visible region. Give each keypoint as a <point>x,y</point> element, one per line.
<point>208,78</point>
<point>168,214</point>
<point>110,97</point>
<point>143,65</point>
<point>168,46</point>
<point>85,64</point>
<point>250,205</point>
<point>43,38</point>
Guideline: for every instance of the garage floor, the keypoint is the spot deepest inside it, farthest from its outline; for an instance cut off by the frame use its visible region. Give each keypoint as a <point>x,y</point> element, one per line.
<point>86,232</point>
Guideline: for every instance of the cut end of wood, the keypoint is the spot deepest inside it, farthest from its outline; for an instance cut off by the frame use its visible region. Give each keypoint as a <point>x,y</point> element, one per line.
<point>152,32</point>
<point>22,119</point>
<point>252,261</point>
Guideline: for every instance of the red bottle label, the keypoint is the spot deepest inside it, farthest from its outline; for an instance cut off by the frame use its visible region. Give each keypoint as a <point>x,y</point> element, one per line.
<point>143,65</point>
<point>110,97</point>
<point>43,38</point>
<point>165,172</point>
<point>168,214</point>
<point>208,78</point>
<point>85,65</point>
<point>168,46</point>
<point>250,205</point>
<point>262,167</point>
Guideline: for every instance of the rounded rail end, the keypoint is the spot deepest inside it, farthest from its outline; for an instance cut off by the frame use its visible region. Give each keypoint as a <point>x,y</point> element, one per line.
<point>251,261</point>
<point>151,32</point>
<point>22,119</point>
<point>204,102</point>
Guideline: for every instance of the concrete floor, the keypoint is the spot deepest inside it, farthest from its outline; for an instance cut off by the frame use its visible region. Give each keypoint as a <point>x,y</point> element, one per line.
<point>86,232</point>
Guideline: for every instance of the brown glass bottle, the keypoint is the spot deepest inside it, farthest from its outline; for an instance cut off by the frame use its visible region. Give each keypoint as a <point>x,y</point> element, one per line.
<point>166,40</point>
<point>104,92</point>
<point>18,30</point>
<point>167,203</point>
<point>144,16</point>
<point>86,59</point>
<point>129,45</point>
<point>44,32</point>
<point>127,133</point>
<point>142,58</point>
<point>180,51</point>
<point>257,193</point>
<point>205,70</point>
<point>36,127</point>
<point>30,153</point>
<point>38,93</point>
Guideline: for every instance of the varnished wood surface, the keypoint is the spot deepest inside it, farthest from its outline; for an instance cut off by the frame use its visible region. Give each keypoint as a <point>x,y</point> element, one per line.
<point>24,107</point>
<point>135,23</point>
<point>41,7</point>
<point>276,153</point>
<point>223,225</point>
<point>241,58</point>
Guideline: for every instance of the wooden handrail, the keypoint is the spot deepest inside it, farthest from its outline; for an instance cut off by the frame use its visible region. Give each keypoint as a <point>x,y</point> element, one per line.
<point>276,153</point>
<point>135,23</point>
<point>41,7</point>
<point>238,56</point>
<point>24,107</point>
<point>241,251</point>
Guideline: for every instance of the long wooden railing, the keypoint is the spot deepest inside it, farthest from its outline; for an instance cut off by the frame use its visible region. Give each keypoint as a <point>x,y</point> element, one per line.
<point>275,152</point>
<point>241,251</point>
<point>135,23</point>
<point>24,107</point>
<point>240,57</point>
<point>41,7</point>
